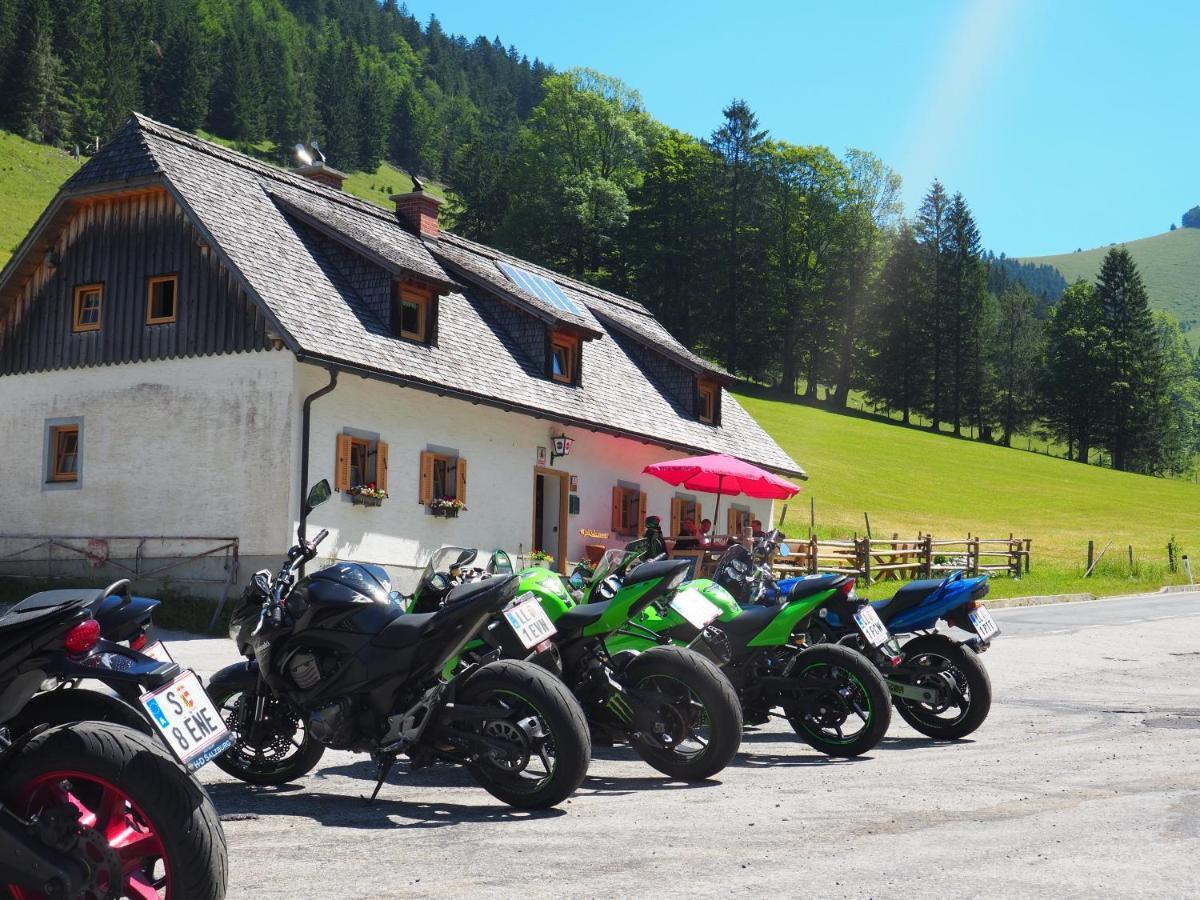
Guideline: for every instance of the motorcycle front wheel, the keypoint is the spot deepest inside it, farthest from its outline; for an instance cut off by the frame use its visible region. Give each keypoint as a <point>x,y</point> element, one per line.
<point>843,708</point>
<point>271,745</point>
<point>684,701</point>
<point>958,675</point>
<point>148,829</point>
<point>542,745</point>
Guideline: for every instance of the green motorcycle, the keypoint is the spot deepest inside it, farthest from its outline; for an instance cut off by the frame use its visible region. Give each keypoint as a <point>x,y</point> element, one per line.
<point>832,696</point>
<point>673,706</point>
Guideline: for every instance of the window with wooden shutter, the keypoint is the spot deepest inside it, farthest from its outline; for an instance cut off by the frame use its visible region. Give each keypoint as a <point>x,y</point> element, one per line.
<point>460,481</point>
<point>341,468</point>
<point>425,489</point>
<point>708,401</point>
<point>737,518</point>
<point>381,455</point>
<point>676,515</point>
<point>628,511</point>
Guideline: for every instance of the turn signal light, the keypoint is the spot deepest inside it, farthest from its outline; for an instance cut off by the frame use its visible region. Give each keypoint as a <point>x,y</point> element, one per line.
<point>896,660</point>
<point>974,604</point>
<point>137,643</point>
<point>847,589</point>
<point>82,637</point>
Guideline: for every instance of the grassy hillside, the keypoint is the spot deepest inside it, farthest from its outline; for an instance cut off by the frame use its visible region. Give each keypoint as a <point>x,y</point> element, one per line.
<point>1169,263</point>
<point>30,174</point>
<point>909,480</point>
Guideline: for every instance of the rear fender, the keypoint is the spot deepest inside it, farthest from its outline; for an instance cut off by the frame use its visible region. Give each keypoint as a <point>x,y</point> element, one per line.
<point>67,705</point>
<point>123,618</point>
<point>938,605</point>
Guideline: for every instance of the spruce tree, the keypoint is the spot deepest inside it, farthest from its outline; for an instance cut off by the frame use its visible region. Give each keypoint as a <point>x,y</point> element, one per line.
<point>933,235</point>
<point>899,362</point>
<point>961,312</point>
<point>1073,380</point>
<point>1015,351</point>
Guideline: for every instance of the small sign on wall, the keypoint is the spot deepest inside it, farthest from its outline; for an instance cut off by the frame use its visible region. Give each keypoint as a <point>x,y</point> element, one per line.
<point>573,504</point>
<point>574,484</point>
<point>541,456</point>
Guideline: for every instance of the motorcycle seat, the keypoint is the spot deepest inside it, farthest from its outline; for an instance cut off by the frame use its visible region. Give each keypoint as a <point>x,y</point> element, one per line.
<point>911,595</point>
<point>403,631</point>
<point>46,599</point>
<point>473,591</point>
<point>746,625</point>
<point>463,602</point>
<point>807,587</point>
<point>574,620</point>
<point>662,569</point>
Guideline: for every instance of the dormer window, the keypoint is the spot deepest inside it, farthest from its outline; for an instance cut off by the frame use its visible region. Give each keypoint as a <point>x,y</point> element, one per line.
<point>562,361</point>
<point>412,311</point>
<point>708,401</point>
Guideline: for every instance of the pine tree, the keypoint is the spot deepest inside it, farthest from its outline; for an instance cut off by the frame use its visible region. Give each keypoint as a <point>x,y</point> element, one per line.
<point>899,363</point>
<point>961,311</point>
<point>1073,380</point>
<point>1136,384</point>
<point>38,103</point>
<point>1015,350</point>
<point>740,143</point>
<point>933,235</point>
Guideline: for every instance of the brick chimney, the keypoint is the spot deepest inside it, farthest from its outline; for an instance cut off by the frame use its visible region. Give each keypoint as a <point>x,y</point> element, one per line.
<point>420,210</point>
<point>322,174</point>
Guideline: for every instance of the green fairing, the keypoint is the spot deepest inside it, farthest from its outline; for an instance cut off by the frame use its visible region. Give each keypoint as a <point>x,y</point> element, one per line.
<point>618,611</point>
<point>789,616</point>
<point>548,587</point>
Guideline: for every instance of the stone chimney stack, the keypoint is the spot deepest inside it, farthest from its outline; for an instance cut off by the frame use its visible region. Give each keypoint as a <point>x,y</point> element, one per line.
<point>322,174</point>
<point>419,209</point>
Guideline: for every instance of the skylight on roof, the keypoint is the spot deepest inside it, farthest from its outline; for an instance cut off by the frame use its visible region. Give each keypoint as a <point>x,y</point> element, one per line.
<point>540,287</point>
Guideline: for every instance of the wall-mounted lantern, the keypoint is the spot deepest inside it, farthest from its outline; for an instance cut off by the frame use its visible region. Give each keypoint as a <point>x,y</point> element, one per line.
<point>560,446</point>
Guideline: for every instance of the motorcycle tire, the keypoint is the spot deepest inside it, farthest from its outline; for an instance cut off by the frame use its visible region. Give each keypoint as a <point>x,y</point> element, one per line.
<point>854,684</point>
<point>144,802</point>
<point>276,765</point>
<point>564,736</point>
<point>947,656</point>
<point>674,671</point>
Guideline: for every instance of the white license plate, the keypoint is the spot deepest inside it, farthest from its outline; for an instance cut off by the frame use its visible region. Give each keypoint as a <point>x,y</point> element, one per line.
<point>529,621</point>
<point>191,723</point>
<point>872,626</point>
<point>157,651</point>
<point>697,609</point>
<point>985,626</point>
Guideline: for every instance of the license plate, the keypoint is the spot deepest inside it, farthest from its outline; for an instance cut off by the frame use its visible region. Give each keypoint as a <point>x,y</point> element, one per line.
<point>697,609</point>
<point>983,623</point>
<point>529,621</point>
<point>188,719</point>
<point>872,626</point>
<point>157,651</point>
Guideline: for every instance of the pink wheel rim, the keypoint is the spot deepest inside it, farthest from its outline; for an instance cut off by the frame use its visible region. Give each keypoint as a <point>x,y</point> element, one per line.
<point>112,813</point>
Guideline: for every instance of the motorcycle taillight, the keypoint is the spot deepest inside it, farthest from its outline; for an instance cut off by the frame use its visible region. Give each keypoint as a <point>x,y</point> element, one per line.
<point>82,637</point>
<point>138,641</point>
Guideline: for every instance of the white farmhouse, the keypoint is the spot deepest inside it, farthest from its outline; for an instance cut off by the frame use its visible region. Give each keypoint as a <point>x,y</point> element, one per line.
<point>189,337</point>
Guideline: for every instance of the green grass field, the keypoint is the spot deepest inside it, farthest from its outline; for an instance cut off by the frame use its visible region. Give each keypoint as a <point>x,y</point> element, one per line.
<point>30,174</point>
<point>1169,263</point>
<point>909,480</point>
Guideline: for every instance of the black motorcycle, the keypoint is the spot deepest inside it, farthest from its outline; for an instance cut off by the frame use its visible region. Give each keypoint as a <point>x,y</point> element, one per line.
<point>92,808</point>
<point>334,661</point>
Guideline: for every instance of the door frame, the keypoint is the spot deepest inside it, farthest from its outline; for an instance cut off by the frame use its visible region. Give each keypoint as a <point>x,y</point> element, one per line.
<point>564,479</point>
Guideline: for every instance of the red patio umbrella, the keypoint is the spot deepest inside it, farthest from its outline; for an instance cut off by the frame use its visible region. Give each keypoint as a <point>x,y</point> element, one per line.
<point>720,474</point>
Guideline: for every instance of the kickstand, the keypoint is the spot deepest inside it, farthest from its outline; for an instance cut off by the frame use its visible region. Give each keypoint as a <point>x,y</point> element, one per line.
<point>383,768</point>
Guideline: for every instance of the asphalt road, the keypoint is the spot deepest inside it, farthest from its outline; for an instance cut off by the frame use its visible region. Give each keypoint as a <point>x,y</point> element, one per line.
<point>1085,779</point>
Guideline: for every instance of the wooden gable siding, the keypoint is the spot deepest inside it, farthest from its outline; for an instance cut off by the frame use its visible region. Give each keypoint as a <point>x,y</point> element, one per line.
<point>122,242</point>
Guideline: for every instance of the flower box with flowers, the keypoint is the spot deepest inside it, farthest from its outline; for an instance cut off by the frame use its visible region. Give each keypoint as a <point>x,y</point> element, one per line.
<point>541,559</point>
<point>446,507</point>
<point>367,495</point>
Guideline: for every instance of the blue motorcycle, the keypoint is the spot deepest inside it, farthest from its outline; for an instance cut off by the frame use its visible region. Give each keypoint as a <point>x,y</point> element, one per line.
<point>939,685</point>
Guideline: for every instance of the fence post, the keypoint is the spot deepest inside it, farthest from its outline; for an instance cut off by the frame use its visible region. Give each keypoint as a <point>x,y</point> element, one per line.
<point>974,558</point>
<point>1091,555</point>
<point>928,573</point>
<point>812,555</point>
<point>865,559</point>
<point>1028,544</point>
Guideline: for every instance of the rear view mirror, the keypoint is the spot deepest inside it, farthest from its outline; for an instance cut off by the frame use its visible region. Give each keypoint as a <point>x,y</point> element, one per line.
<point>319,494</point>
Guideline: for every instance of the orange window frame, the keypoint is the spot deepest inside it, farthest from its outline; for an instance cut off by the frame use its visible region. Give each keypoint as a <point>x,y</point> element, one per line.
<point>707,392</point>
<point>58,436</point>
<point>570,356</point>
<point>406,292</point>
<point>152,319</point>
<point>360,458</point>
<point>81,291</point>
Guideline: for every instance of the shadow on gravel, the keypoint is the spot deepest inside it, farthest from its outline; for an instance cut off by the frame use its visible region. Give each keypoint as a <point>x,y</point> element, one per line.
<point>239,802</point>
<point>915,743</point>
<point>609,786</point>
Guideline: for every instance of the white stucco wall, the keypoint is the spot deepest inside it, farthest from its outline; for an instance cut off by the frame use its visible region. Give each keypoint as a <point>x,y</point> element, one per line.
<point>172,447</point>
<point>501,452</point>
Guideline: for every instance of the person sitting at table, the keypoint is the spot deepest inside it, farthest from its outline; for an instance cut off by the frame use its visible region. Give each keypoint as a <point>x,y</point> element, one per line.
<point>756,529</point>
<point>688,539</point>
<point>705,540</point>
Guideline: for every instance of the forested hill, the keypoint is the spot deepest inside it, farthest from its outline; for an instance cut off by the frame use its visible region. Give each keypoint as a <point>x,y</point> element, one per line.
<point>364,78</point>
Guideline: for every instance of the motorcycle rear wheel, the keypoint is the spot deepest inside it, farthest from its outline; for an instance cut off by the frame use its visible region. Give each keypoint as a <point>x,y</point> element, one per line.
<point>946,661</point>
<point>143,814</point>
<point>698,708</point>
<point>539,716</point>
<point>855,690</point>
<point>273,755</point>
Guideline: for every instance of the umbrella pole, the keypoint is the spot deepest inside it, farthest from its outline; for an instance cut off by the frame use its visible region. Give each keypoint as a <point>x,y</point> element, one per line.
<point>717,508</point>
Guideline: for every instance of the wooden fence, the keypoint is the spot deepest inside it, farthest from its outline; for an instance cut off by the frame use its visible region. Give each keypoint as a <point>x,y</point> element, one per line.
<point>897,559</point>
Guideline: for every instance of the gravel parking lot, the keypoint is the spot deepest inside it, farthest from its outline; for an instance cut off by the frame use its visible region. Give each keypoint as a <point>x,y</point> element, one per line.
<point>1086,778</point>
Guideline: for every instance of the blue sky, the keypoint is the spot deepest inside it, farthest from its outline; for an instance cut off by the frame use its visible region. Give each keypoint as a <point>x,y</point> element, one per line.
<point>1064,123</point>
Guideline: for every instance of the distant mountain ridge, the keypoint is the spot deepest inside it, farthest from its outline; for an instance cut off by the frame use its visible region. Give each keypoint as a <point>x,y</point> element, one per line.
<point>1170,266</point>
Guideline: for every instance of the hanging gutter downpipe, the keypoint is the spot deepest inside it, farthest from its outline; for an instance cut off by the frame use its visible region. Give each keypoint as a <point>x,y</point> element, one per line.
<point>302,531</point>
